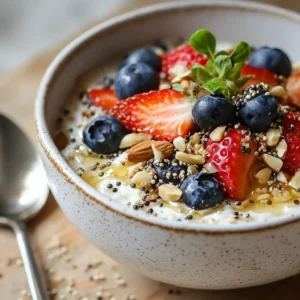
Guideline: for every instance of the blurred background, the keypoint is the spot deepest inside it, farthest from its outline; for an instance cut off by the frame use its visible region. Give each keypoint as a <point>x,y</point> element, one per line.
<point>27,27</point>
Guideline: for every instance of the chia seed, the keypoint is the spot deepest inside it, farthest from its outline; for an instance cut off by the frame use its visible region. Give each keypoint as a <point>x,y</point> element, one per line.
<point>297,202</point>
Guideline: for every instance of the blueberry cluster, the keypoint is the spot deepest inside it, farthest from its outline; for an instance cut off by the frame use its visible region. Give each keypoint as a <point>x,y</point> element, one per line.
<point>139,73</point>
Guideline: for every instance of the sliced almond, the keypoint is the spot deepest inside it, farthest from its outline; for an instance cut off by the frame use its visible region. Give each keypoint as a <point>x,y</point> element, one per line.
<point>142,177</point>
<point>217,134</point>
<point>273,137</point>
<point>164,86</point>
<point>190,158</point>
<point>283,177</point>
<point>279,91</point>
<point>185,83</point>
<point>157,154</point>
<point>61,141</point>
<point>169,192</point>
<point>134,169</point>
<point>144,151</point>
<point>281,148</point>
<point>132,139</point>
<point>209,167</point>
<point>179,143</point>
<point>195,139</point>
<point>273,162</point>
<point>179,77</point>
<point>263,175</point>
<point>295,181</point>
<point>192,170</point>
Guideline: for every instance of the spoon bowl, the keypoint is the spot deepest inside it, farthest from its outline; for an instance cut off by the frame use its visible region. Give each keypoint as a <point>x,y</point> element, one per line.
<point>23,192</point>
<point>23,186</point>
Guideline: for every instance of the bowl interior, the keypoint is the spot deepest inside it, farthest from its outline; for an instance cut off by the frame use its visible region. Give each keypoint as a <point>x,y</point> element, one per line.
<point>229,21</point>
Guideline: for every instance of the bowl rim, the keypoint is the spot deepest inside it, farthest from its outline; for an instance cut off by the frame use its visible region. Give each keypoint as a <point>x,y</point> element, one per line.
<point>47,145</point>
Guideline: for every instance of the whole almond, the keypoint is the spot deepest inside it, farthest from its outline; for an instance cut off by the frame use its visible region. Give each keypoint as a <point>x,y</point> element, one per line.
<point>144,151</point>
<point>132,139</point>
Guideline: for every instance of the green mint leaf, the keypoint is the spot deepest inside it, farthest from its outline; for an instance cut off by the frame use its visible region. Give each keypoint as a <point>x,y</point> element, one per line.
<point>222,52</point>
<point>210,66</point>
<point>236,70</point>
<point>178,87</point>
<point>241,52</point>
<point>242,81</point>
<point>233,89</point>
<point>204,42</point>
<point>216,86</point>
<point>200,74</point>
<point>223,65</point>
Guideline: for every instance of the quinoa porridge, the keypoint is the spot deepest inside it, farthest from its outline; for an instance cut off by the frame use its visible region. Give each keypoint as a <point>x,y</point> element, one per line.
<point>190,133</point>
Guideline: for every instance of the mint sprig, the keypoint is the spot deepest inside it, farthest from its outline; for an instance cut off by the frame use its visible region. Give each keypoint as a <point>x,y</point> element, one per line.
<point>222,72</point>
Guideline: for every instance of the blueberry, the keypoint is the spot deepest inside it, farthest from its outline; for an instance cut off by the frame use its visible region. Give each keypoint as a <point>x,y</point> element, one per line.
<point>212,111</point>
<point>258,114</point>
<point>146,56</point>
<point>104,134</point>
<point>135,79</point>
<point>275,60</point>
<point>166,171</point>
<point>201,191</point>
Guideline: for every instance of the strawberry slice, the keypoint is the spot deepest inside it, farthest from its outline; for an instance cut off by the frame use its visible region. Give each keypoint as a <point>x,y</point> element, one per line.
<point>233,162</point>
<point>104,98</point>
<point>293,89</point>
<point>165,114</point>
<point>291,131</point>
<point>184,55</point>
<point>259,75</point>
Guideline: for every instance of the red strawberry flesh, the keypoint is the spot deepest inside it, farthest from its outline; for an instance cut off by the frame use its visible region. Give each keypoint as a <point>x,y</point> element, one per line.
<point>259,75</point>
<point>291,131</point>
<point>184,55</point>
<point>165,114</point>
<point>104,98</point>
<point>232,164</point>
<point>293,89</point>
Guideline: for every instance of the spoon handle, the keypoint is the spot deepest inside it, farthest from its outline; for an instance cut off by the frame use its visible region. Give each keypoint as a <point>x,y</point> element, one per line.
<point>36,285</point>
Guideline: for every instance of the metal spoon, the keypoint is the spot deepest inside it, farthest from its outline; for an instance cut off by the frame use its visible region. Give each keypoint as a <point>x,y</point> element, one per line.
<point>23,192</point>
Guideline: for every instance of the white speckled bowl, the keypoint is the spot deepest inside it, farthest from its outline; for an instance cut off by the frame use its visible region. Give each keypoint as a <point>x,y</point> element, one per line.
<point>179,253</point>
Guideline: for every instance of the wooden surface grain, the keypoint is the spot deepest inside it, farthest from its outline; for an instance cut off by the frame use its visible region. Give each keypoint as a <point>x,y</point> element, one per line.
<point>70,273</point>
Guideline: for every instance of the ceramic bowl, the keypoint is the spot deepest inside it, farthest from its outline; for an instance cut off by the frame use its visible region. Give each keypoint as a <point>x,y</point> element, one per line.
<point>179,253</point>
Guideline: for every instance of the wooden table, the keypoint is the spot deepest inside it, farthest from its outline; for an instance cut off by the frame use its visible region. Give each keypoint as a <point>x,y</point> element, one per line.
<point>71,265</point>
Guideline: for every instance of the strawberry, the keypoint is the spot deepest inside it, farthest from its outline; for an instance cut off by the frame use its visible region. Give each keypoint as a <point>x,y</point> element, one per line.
<point>104,98</point>
<point>259,75</point>
<point>233,162</point>
<point>291,131</point>
<point>165,114</point>
<point>293,89</point>
<point>184,55</point>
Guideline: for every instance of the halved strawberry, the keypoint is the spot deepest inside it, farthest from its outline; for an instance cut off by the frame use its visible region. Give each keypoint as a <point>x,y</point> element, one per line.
<point>291,131</point>
<point>293,89</point>
<point>164,114</point>
<point>104,98</point>
<point>233,162</point>
<point>259,75</point>
<point>184,55</point>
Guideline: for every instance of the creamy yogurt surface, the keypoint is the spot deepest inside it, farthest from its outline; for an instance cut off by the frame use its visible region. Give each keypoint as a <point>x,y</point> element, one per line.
<point>110,175</point>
